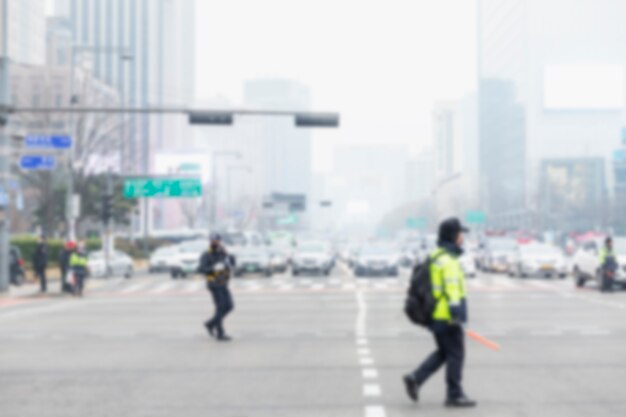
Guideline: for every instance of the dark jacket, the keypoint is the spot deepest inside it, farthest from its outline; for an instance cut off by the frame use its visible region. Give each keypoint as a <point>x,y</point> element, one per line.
<point>64,260</point>
<point>40,257</point>
<point>209,259</point>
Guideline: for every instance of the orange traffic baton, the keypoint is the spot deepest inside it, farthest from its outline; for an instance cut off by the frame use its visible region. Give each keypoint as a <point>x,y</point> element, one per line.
<point>482,340</point>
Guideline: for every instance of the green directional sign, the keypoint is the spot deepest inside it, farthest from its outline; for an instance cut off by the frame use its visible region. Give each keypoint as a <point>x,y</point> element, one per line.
<point>162,187</point>
<point>287,220</point>
<point>475,217</point>
<point>416,223</point>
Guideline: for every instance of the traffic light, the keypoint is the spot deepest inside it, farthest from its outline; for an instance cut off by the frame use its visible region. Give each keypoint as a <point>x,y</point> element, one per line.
<point>210,118</point>
<point>317,120</point>
<point>107,208</point>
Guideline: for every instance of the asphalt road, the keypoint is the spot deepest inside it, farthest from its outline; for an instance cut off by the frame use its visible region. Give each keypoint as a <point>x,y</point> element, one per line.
<point>305,346</point>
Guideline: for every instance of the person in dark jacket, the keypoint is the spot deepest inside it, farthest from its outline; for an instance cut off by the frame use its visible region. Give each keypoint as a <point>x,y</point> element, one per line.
<point>216,265</point>
<point>64,265</point>
<point>608,265</point>
<point>40,262</point>
<point>449,315</point>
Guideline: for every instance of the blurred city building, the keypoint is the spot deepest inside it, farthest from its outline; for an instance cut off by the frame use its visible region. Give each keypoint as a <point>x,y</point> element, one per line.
<point>456,186</point>
<point>27,32</point>
<point>368,182</point>
<point>551,113</point>
<point>157,40</point>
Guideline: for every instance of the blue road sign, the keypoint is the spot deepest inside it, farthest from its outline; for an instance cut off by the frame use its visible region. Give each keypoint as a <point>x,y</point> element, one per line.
<point>33,162</point>
<point>48,141</point>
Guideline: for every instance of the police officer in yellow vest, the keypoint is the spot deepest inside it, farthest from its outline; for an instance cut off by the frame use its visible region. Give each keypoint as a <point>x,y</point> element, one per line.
<point>448,283</point>
<point>608,265</point>
<point>80,268</point>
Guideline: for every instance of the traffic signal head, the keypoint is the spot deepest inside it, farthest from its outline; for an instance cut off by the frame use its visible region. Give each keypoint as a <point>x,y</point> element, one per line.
<point>107,208</point>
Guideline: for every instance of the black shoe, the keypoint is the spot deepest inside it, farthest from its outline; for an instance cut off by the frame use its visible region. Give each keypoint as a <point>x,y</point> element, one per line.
<point>411,387</point>
<point>224,338</point>
<point>460,402</point>
<point>210,329</point>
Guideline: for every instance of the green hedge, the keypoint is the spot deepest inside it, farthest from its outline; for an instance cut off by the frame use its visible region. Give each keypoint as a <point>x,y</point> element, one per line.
<point>27,245</point>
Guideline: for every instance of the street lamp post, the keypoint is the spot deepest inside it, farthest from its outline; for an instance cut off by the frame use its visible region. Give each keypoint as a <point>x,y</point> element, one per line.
<point>215,157</point>
<point>77,49</point>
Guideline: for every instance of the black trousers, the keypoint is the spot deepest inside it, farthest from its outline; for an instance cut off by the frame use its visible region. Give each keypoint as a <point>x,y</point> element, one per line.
<point>223,305</point>
<point>43,281</point>
<point>80,283</point>
<point>451,351</point>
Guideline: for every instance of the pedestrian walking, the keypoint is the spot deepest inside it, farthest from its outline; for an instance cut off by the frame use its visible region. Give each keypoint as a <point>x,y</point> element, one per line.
<point>80,268</point>
<point>608,265</point>
<point>448,316</point>
<point>217,265</point>
<point>40,262</point>
<point>64,265</point>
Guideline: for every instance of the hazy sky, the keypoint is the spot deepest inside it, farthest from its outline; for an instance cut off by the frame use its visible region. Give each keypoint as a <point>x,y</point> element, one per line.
<point>381,64</point>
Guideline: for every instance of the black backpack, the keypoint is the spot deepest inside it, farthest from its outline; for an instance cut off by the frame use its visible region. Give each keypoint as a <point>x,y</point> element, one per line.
<point>420,302</point>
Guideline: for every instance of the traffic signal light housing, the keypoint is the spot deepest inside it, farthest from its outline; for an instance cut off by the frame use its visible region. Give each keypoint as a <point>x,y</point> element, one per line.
<point>107,208</point>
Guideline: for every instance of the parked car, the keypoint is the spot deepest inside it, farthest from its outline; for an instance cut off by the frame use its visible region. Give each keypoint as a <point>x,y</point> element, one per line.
<point>468,264</point>
<point>120,264</point>
<point>253,259</point>
<point>410,254</point>
<point>161,259</point>
<point>586,265</point>
<point>187,259</point>
<point>16,267</point>
<point>312,257</point>
<point>538,259</point>
<point>376,260</point>
<point>499,252</point>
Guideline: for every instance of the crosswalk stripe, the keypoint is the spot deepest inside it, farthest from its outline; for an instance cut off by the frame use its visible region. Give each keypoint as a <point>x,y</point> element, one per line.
<point>163,287</point>
<point>134,288</point>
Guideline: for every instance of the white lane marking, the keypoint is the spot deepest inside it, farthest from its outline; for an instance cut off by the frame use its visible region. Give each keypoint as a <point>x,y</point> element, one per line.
<point>348,286</point>
<point>194,287</point>
<point>371,390</point>
<point>163,287</point>
<point>507,283</point>
<point>375,411</point>
<point>366,361</point>
<point>286,287</point>
<point>134,288</point>
<point>554,332</point>
<point>370,373</point>
<point>595,332</point>
<point>317,287</point>
<point>363,352</point>
<point>362,342</point>
<point>540,285</point>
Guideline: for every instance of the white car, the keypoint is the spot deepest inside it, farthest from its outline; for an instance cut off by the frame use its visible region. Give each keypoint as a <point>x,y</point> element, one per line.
<point>468,264</point>
<point>538,259</point>
<point>161,259</point>
<point>120,264</point>
<point>312,257</point>
<point>376,260</point>
<point>585,265</point>
<point>187,258</point>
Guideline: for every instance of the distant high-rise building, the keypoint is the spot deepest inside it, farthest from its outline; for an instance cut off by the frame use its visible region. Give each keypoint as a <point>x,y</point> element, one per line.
<point>279,152</point>
<point>551,111</point>
<point>455,141</point>
<point>26,31</point>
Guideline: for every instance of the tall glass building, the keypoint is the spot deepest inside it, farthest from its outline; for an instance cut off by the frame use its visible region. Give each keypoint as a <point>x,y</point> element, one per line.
<point>551,112</point>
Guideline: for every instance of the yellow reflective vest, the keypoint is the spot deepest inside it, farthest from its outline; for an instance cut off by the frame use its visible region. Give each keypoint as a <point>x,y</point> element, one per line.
<point>448,282</point>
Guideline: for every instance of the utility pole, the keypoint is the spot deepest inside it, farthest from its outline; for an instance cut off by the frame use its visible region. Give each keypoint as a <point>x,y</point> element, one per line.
<point>5,143</point>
